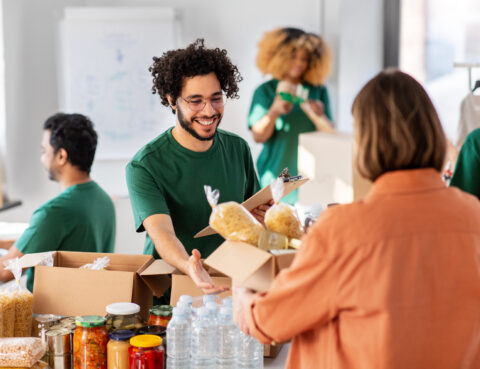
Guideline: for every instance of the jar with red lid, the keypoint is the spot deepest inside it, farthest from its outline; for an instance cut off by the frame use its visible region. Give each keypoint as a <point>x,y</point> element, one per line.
<point>146,352</point>
<point>90,343</point>
<point>160,315</point>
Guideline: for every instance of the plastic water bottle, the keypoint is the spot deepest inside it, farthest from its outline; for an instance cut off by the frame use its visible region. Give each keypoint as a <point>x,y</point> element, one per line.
<point>250,352</point>
<point>188,309</point>
<point>212,308</point>
<point>186,298</point>
<point>178,340</point>
<point>227,301</point>
<point>204,345</point>
<point>208,298</point>
<point>227,333</point>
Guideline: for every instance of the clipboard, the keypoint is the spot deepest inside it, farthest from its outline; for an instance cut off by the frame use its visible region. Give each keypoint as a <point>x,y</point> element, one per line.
<point>261,197</point>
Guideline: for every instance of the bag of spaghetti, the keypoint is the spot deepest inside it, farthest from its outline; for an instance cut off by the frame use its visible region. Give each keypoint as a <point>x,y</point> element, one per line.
<point>20,301</point>
<point>231,220</point>
<point>282,218</point>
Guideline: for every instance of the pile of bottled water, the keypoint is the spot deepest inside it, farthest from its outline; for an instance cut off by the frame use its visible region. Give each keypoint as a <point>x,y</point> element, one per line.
<point>206,337</point>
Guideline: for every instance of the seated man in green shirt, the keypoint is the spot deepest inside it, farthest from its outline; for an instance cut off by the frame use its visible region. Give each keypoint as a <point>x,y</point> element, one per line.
<point>467,170</point>
<point>82,216</point>
<point>166,177</point>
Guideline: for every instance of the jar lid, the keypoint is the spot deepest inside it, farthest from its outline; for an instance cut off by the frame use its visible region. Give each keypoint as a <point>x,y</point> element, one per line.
<point>121,335</point>
<point>57,332</point>
<point>90,321</point>
<point>123,308</point>
<point>161,310</point>
<point>146,340</point>
<point>153,329</point>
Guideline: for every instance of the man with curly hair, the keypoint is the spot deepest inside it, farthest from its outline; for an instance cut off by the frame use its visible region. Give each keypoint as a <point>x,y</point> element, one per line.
<point>166,177</point>
<point>82,217</point>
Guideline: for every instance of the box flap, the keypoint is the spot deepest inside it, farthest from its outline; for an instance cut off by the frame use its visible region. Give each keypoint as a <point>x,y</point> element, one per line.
<point>237,260</point>
<point>157,276</point>
<point>283,258</point>
<point>31,260</point>
<point>261,197</point>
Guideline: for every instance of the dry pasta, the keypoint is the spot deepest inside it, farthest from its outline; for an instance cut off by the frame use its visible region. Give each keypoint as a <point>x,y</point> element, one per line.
<point>8,313</point>
<point>234,223</point>
<point>282,218</point>
<point>23,314</point>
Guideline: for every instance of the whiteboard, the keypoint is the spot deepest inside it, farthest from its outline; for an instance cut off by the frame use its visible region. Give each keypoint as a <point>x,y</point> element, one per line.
<point>104,58</point>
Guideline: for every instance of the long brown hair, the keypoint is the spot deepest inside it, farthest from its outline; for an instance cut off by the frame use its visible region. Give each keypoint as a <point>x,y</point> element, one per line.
<point>396,126</point>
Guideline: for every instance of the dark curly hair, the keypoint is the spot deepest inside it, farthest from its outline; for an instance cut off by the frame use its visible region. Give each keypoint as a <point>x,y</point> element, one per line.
<point>172,67</point>
<point>75,134</point>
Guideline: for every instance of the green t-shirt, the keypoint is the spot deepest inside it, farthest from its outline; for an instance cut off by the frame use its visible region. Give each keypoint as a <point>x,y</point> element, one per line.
<point>81,218</point>
<point>467,171</point>
<point>281,149</point>
<point>166,178</point>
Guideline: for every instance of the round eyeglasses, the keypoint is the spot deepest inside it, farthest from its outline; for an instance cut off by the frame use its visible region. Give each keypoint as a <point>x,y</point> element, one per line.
<point>198,104</point>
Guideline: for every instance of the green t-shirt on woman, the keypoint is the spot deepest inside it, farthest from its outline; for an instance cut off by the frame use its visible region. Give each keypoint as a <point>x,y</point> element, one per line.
<point>467,170</point>
<point>281,149</point>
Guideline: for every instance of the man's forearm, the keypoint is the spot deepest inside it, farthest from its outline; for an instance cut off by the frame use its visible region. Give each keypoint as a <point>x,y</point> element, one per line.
<point>172,251</point>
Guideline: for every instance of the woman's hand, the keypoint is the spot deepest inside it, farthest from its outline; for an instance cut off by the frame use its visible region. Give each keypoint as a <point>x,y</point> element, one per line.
<point>200,276</point>
<point>260,211</point>
<point>280,107</point>
<point>316,106</point>
<point>241,306</point>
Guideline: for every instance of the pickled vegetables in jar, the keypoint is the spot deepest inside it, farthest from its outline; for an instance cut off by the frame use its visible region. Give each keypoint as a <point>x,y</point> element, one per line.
<point>160,315</point>
<point>90,343</point>
<point>146,352</point>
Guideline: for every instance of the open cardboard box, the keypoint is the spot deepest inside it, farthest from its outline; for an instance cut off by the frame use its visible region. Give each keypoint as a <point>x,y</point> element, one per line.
<point>65,289</point>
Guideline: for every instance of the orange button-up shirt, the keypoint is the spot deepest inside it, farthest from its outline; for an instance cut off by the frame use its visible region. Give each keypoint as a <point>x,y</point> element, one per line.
<point>392,281</point>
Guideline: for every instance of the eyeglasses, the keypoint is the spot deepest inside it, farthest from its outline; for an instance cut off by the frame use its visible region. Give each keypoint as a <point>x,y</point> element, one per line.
<point>198,104</point>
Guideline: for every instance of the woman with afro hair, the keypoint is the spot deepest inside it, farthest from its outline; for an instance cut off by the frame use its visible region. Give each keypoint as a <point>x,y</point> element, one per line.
<point>294,101</point>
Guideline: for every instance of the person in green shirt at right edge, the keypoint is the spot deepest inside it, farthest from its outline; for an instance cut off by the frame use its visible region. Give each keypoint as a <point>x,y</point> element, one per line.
<point>166,177</point>
<point>293,102</point>
<point>467,170</point>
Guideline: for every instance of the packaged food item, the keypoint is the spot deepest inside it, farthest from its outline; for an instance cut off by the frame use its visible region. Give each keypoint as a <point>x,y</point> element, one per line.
<point>7,303</point>
<point>292,93</point>
<point>160,315</point>
<point>90,343</point>
<point>20,351</point>
<point>146,351</point>
<point>98,264</point>
<point>123,315</point>
<point>232,221</point>
<point>282,218</point>
<point>38,365</point>
<point>23,301</point>
<point>117,349</point>
<point>42,323</point>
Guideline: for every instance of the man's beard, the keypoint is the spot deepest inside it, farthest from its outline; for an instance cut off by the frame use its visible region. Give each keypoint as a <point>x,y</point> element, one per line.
<point>187,126</point>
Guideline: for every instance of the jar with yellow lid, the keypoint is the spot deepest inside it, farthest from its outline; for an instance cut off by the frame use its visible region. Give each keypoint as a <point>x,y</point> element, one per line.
<point>146,351</point>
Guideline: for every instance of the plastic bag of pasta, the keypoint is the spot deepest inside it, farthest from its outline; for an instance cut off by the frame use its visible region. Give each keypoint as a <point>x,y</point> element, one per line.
<point>23,302</point>
<point>282,218</point>
<point>232,221</point>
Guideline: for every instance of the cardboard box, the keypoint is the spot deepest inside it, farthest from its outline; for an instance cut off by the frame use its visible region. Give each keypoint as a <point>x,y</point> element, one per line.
<point>328,160</point>
<point>64,289</point>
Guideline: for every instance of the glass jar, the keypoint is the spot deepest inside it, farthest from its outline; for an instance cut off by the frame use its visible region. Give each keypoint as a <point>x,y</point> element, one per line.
<point>146,352</point>
<point>160,315</point>
<point>117,349</point>
<point>124,316</point>
<point>90,343</point>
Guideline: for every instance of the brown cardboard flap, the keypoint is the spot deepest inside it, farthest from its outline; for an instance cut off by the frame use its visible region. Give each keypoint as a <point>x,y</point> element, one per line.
<point>183,285</point>
<point>261,197</point>
<point>261,279</point>
<point>157,276</point>
<point>68,291</point>
<point>237,260</point>
<point>283,259</point>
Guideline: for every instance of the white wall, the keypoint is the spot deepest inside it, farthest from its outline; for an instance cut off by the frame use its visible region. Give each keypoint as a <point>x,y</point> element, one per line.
<point>352,28</point>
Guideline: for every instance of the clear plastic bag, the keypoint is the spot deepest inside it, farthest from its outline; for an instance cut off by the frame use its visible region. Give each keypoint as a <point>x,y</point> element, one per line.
<point>21,302</point>
<point>232,221</point>
<point>21,352</point>
<point>98,264</point>
<point>282,218</point>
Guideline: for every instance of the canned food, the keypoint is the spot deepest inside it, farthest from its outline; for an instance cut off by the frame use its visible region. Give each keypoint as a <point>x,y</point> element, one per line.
<point>58,341</point>
<point>43,322</point>
<point>60,361</point>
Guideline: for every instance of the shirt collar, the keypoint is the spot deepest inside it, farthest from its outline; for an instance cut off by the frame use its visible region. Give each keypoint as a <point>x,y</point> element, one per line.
<point>407,181</point>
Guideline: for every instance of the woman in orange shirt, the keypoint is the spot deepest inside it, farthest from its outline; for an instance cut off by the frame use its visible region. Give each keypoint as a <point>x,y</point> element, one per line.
<point>391,281</point>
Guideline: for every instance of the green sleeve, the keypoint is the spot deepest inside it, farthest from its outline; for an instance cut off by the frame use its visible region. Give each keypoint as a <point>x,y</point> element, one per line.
<point>45,232</point>
<point>467,171</point>
<point>252,183</point>
<point>326,103</point>
<point>260,105</point>
<point>146,196</point>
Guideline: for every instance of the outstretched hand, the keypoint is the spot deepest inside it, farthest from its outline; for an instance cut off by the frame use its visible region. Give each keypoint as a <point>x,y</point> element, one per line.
<point>200,276</point>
